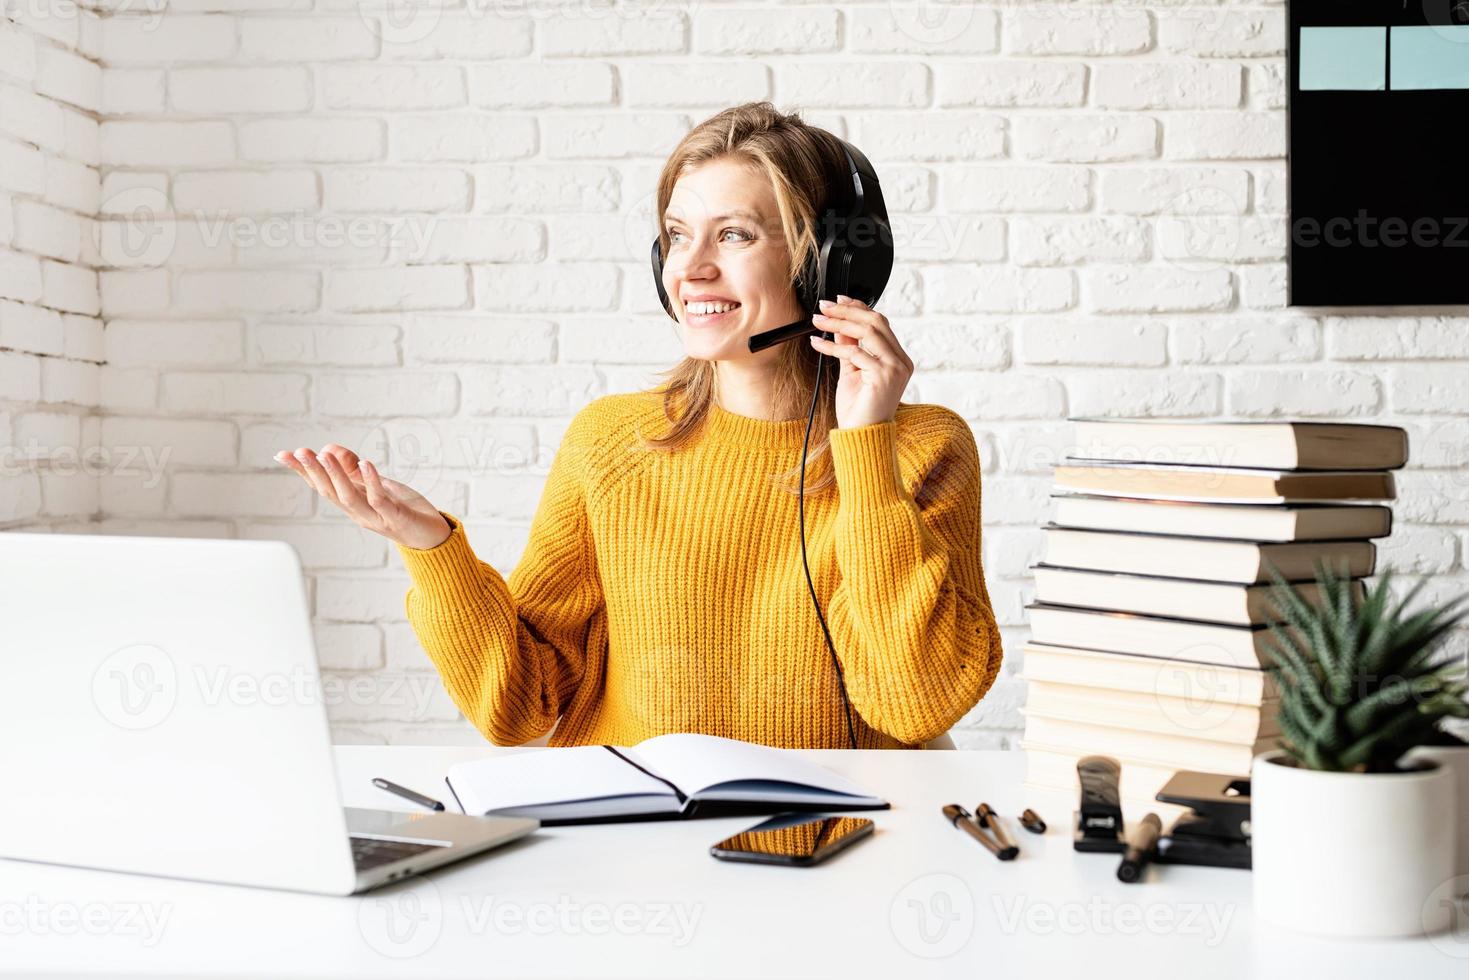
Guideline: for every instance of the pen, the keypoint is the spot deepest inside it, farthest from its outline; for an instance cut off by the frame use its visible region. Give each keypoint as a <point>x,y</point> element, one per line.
<point>1141,845</point>
<point>407,794</point>
<point>959,817</point>
<point>990,820</point>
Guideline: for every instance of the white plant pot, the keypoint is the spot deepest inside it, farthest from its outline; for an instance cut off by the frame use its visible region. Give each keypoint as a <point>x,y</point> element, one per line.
<point>1455,758</point>
<point>1352,854</point>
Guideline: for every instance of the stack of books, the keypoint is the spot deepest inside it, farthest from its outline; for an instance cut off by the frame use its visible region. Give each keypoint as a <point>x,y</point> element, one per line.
<point>1149,629</point>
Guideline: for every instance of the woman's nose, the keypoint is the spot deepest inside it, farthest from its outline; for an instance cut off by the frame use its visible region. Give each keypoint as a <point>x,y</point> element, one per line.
<point>698,260</point>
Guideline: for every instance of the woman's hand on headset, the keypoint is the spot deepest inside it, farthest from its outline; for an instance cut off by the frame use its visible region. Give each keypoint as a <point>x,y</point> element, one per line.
<point>392,509</point>
<point>875,368</point>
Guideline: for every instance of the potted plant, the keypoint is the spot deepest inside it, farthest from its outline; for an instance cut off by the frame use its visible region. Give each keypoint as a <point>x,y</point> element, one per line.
<point>1348,837</point>
<point>1452,751</point>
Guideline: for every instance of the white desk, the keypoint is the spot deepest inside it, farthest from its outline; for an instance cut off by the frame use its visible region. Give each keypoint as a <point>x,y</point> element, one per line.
<point>920,899</point>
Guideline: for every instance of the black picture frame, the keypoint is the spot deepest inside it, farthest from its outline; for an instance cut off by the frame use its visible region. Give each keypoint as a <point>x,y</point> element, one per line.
<point>1378,181</point>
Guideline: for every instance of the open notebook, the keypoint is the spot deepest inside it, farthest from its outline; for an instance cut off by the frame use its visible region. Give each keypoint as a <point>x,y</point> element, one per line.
<point>667,777</point>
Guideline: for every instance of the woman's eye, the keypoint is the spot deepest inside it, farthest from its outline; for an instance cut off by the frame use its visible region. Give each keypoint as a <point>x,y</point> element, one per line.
<point>744,235</point>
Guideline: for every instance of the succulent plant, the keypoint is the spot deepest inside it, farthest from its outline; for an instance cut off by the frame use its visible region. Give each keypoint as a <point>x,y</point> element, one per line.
<point>1361,680</point>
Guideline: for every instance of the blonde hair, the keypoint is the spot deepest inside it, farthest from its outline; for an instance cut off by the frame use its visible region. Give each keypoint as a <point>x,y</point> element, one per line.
<point>802,162</point>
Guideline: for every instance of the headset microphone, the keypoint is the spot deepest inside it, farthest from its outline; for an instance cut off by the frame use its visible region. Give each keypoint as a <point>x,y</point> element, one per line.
<point>855,259</point>
<point>780,335</point>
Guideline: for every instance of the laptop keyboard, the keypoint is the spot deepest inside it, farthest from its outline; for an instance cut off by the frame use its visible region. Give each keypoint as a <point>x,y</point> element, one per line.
<point>369,852</point>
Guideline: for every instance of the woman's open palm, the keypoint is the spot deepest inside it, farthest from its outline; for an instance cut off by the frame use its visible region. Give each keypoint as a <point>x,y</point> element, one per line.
<point>392,509</point>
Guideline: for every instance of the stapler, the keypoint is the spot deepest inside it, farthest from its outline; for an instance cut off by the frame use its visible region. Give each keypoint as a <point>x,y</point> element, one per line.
<point>1217,831</point>
<point>1099,819</point>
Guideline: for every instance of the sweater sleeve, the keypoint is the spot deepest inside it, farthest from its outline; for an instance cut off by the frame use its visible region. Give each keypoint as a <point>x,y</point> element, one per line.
<point>911,616</point>
<point>511,653</point>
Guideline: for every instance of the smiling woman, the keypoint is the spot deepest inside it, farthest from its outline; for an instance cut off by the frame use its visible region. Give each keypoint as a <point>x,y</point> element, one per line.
<point>739,199</point>
<point>663,587</point>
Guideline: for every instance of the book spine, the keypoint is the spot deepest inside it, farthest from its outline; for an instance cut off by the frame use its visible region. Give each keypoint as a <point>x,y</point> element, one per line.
<point>457,802</point>
<point>682,797</point>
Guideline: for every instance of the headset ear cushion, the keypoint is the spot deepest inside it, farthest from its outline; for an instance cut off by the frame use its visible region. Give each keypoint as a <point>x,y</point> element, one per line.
<point>808,289</point>
<point>657,261</point>
<point>812,287</point>
<point>811,284</point>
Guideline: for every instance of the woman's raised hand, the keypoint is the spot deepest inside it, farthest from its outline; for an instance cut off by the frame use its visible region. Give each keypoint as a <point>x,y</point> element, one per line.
<point>392,509</point>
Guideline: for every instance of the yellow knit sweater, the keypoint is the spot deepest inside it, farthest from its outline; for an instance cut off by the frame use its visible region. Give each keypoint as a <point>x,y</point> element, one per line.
<point>664,592</point>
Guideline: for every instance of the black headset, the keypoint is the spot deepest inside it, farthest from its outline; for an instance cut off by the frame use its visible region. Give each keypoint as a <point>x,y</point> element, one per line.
<point>855,259</point>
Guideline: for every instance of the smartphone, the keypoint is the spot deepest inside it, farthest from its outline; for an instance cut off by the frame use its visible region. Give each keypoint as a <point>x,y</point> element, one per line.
<point>794,839</point>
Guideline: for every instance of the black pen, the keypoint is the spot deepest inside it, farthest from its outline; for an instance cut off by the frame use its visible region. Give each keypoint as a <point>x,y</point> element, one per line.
<point>407,794</point>
<point>990,820</point>
<point>1142,845</point>
<point>959,817</point>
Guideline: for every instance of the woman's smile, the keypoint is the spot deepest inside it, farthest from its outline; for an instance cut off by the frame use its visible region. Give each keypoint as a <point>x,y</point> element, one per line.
<point>712,319</point>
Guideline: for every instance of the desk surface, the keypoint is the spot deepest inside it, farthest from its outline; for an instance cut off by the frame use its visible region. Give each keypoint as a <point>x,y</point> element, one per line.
<point>919,899</point>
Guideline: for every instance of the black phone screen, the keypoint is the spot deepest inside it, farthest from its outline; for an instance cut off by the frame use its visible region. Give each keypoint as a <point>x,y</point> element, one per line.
<point>798,838</point>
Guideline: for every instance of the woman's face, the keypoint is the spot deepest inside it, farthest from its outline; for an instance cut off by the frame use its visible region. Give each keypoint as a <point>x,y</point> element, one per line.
<point>725,241</point>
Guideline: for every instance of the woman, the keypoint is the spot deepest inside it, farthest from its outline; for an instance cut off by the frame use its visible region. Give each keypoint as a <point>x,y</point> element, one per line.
<point>662,588</point>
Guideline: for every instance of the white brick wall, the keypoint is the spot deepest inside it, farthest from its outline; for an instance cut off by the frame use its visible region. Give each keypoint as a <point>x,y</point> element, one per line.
<point>313,221</point>
<point>51,339</point>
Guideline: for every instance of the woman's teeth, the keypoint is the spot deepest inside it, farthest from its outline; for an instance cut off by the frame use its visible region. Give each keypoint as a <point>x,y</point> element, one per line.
<point>704,309</point>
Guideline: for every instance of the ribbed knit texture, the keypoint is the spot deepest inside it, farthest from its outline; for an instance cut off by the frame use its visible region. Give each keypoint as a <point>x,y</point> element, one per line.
<point>664,592</point>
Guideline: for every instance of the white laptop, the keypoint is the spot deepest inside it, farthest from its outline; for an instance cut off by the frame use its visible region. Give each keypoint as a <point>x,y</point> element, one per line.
<point>163,714</point>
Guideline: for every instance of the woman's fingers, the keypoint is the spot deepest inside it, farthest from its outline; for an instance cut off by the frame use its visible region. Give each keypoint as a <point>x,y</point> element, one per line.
<point>361,491</point>
<point>870,328</point>
<point>376,503</point>
<point>348,494</point>
<point>377,494</point>
<point>345,457</point>
<point>845,333</point>
<point>318,475</point>
<point>349,498</point>
<point>304,462</point>
<point>288,460</point>
<point>326,475</point>
<point>848,352</point>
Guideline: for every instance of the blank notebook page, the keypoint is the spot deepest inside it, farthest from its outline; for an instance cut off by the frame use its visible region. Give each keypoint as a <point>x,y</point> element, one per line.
<point>696,762</point>
<point>532,778</point>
